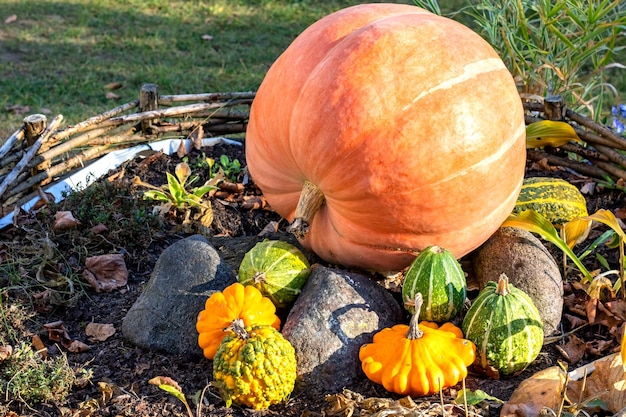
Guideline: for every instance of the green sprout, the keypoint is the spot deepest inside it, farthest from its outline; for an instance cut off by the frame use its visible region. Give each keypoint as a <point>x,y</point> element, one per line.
<point>171,387</point>
<point>225,168</point>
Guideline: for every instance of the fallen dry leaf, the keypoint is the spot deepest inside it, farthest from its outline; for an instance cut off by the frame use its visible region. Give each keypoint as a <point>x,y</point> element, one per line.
<point>620,213</point>
<point>588,187</point>
<point>5,352</point>
<point>10,19</point>
<point>64,220</point>
<point>58,333</point>
<point>574,321</point>
<point>606,382</point>
<point>77,346</point>
<point>39,346</point>
<point>271,227</point>
<point>99,332</point>
<point>573,350</point>
<point>98,229</point>
<point>113,86</point>
<point>541,390</point>
<point>196,137</point>
<point>106,272</point>
<point>140,368</point>
<point>17,109</point>
<point>111,96</point>
<point>182,150</point>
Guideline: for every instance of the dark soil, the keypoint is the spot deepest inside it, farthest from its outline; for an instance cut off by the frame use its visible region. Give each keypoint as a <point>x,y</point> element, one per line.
<point>119,386</point>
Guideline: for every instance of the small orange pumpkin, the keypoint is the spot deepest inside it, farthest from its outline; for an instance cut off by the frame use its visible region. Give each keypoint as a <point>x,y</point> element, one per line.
<point>418,359</point>
<point>384,129</point>
<point>222,308</point>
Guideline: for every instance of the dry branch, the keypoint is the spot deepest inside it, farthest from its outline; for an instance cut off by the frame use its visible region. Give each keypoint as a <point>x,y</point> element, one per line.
<point>554,160</point>
<point>29,155</point>
<point>243,98</point>
<point>92,121</point>
<point>601,146</point>
<point>15,137</point>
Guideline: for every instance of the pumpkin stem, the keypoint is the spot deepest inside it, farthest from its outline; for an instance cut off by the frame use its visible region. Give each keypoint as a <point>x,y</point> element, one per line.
<point>414,330</point>
<point>503,285</point>
<point>239,328</point>
<point>311,199</point>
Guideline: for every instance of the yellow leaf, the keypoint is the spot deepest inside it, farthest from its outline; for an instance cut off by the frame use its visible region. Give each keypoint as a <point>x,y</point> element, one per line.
<point>609,219</point>
<point>576,231</point>
<point>549,133</point>
<point>182,172</point>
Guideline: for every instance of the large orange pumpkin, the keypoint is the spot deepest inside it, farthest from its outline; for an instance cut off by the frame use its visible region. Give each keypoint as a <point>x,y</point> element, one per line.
<point>405,125</point>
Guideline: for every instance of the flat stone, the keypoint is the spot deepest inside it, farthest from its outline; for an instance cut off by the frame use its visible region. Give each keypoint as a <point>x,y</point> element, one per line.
<point>164,316</point>
<point>336,313</point>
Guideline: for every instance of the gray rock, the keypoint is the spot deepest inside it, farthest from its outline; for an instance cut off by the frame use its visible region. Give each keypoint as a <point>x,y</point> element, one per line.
<point>335,314</point>
<point>164,316</point>
<point>529,266</point>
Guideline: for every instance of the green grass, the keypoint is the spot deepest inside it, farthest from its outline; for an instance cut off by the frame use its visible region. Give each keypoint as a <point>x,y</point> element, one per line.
<point>60,55</point>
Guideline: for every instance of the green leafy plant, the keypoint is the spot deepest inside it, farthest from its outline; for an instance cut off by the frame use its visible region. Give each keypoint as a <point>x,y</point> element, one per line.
<point>561,47</point>
<point>175,193</point>
<point>225,168</point>
<point>575,232</point>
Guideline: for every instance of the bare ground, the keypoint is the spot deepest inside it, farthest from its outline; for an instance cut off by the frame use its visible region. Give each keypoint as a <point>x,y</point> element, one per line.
<point>119,385</point>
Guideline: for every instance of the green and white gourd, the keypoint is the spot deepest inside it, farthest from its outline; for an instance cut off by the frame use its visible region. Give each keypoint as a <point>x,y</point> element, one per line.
<point>505,325</point>
<point>438,276</point>
<point>278,269</point>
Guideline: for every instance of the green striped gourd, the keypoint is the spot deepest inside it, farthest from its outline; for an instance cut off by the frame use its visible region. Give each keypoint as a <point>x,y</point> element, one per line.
<point>504,324</point>
<point>437,275</point>
<point>278,269</point>
<point>556,199</point>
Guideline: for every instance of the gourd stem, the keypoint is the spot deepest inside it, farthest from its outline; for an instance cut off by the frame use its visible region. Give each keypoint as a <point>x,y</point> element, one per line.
<point>414,330</point>
<point>311,200</point>
<point>503,285</point>
<point>259,278</point>
<point>239,328</point>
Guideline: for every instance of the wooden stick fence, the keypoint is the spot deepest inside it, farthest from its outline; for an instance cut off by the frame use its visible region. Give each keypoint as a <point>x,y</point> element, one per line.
<point>39,153</point>
<point>601,154</point>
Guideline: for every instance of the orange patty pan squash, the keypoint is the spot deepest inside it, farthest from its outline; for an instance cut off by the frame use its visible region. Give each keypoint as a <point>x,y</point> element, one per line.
<point>384,129</point>
<point>419,359</point>
<point>222,308</point>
